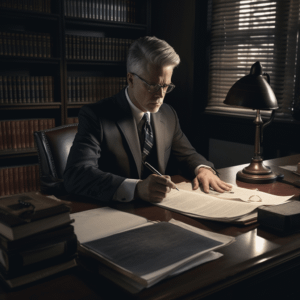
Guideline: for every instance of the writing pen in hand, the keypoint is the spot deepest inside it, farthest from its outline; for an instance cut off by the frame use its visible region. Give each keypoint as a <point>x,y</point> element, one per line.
<point>152,169</point>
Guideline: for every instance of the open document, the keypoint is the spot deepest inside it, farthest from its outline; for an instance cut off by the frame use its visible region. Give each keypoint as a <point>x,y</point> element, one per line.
<point>237,206</point>
<point>136,253</point>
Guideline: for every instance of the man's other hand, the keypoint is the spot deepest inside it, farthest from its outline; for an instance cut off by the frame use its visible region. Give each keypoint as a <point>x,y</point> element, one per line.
<point>208,179</point>
<point>154,188</point>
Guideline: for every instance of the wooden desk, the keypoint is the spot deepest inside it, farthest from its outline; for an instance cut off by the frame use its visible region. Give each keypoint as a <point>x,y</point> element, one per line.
<point>259,265</point>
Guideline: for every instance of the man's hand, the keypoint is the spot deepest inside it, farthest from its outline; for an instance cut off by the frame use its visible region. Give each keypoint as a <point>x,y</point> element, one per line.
<point>208,179</point>
<point>154,188</point>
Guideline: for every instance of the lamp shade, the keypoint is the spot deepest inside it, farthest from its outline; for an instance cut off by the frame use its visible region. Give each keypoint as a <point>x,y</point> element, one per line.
<point>252,91</point>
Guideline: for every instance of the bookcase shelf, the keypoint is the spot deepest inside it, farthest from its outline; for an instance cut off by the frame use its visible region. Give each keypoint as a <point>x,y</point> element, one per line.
<point>22,106</point>
<point>104,24</point>
<point>34,49</point>
<point>28,60</point>
<point>13,153</point>
<point>38,16</point>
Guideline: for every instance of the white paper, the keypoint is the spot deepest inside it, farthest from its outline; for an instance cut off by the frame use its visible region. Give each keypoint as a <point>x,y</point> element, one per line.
<point>97,223</point>
<point>292,168</point>
<point>218,206</point>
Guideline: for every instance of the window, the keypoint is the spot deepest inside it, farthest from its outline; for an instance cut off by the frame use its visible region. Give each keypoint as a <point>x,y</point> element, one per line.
<point>246,31</point>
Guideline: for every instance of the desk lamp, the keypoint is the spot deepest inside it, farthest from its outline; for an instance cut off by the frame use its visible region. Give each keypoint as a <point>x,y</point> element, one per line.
<point>253,91</point>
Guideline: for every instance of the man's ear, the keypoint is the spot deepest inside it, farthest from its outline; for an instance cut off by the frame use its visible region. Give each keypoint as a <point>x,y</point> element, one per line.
<point>130,79</point>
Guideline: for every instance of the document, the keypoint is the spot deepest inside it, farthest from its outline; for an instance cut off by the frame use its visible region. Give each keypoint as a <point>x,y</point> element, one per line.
<point>227,207</point>
<point>137,253</point>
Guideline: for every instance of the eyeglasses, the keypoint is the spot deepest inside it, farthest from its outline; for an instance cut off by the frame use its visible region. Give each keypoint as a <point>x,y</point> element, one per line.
<point>153,88</point>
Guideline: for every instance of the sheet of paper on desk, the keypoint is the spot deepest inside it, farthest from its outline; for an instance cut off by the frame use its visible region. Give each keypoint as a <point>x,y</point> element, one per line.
<point>238,193</point>
<point>292,168</point>
<point>199,204</point>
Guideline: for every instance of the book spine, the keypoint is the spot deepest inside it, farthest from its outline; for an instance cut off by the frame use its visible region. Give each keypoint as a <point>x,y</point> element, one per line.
<point>15,182</point>
<point>31,130</point>
<point>2,182</point>
<point>37,89</point>
<point>22,134</point>
<point>27,138</point>
<point>46,89</point>
<point>51,88</point>
<point>13,135</point>
<point>32,89</point>
<point>23,88</point>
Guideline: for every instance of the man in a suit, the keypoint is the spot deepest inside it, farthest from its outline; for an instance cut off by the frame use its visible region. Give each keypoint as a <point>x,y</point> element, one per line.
<point>118,134</point>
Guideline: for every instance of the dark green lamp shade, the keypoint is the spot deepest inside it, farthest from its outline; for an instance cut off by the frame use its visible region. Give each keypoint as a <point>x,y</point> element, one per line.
<point>252,91</point>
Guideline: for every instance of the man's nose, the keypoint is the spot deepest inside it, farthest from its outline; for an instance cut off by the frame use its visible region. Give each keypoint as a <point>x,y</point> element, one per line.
<point>161,92</point>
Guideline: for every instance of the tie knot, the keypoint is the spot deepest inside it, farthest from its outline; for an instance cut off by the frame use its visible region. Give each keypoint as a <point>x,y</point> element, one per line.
<point>146,117</point>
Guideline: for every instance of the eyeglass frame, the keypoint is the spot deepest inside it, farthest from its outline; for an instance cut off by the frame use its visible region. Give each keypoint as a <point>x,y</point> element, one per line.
<point>156,85</point>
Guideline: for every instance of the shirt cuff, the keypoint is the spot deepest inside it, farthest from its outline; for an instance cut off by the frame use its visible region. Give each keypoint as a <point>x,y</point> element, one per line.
<point>125,192</point>
<point>206,167</point>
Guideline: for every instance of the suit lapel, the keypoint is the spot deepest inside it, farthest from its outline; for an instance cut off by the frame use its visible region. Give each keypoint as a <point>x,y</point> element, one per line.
<point>128,127</point>
<point>159,133</point>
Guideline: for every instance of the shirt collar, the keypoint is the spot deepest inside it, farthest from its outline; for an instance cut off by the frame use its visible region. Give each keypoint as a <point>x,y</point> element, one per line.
<point>137,113</point>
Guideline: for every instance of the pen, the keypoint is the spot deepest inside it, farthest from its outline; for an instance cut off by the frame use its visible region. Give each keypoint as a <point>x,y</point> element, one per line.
<point>154,170</point>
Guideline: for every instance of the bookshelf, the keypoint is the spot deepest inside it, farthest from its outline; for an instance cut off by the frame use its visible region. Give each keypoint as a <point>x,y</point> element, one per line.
<point>55,57</point>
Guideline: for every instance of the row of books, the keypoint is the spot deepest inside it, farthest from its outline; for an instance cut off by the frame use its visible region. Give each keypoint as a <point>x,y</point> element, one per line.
<point>106,10</point>
<point>25,44</point>
<point>86,47</point>
<point>92,89</point>
<point>72,120</point>
<point>26,89</point>
<point>18,134</point>
<point>19,179</point>
<point>43,6</point>
<point>36,238</point>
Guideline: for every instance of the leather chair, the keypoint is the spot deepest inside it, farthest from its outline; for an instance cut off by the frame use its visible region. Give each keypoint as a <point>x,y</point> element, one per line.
<point>53,147</point>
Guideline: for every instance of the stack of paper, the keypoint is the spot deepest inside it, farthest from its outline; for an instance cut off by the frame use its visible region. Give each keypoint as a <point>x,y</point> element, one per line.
<point>136,253</point>
<point>237,206</point>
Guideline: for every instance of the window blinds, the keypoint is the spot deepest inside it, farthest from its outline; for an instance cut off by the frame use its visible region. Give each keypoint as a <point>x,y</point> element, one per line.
<point>246,31</point>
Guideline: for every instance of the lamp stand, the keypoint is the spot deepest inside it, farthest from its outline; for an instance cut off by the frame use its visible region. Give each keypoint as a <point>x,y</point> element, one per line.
<point>257,172</point>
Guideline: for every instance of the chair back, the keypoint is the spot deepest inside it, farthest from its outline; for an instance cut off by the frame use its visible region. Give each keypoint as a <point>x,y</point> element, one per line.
<point>53,147</point>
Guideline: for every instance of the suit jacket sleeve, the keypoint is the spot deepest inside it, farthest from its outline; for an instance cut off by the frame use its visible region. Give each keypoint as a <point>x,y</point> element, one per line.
<point>82,175</point>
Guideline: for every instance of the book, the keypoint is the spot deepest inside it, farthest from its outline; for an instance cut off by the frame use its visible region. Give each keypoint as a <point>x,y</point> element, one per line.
<point>25,259</point>
<point>38,274</point>
<point>26,214</point>
<point>140,252</point>
<point>36,240</point>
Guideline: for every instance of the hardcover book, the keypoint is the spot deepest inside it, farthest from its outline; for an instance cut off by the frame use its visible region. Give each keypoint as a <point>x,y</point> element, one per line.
<point>25,214</point>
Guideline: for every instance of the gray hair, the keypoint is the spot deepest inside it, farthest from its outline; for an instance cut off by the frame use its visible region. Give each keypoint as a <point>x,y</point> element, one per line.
<point>150,49</point>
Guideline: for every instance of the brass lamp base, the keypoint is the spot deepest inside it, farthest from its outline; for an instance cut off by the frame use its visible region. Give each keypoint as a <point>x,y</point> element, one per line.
<point>257,172</point>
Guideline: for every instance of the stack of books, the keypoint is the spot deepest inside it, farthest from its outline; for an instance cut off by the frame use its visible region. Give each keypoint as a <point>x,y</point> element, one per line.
<point>36,238</point>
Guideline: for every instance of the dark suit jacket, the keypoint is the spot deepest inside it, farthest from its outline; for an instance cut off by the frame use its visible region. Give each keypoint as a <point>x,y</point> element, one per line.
<point>106,149</point>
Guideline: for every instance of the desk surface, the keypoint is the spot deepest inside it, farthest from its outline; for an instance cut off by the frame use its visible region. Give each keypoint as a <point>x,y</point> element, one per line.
<point>259,264</point>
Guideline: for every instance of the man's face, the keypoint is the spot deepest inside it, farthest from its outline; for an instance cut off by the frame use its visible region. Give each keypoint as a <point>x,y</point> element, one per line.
<point>138,90</point>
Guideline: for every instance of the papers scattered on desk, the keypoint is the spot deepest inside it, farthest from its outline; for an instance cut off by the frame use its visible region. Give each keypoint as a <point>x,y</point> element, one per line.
<point>141,254</point>
<point>236,207</point>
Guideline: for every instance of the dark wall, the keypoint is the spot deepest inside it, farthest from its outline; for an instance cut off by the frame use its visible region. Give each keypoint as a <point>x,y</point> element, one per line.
<point>174,22</point>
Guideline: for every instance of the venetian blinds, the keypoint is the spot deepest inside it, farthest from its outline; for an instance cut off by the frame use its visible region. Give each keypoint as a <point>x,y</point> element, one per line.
<point>246,31</point>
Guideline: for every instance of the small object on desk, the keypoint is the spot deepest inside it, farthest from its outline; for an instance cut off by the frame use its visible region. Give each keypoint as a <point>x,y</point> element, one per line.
<point>283,218</point>
<point>152,169</point>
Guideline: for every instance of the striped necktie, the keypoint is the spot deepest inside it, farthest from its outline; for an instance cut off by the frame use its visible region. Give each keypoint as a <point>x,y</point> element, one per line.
<point>148,143</point>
